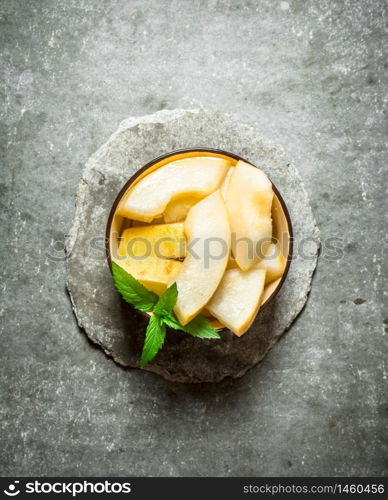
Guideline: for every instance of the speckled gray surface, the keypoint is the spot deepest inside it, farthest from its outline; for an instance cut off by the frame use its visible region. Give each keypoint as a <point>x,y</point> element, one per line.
<point>309,76</point>
<point>98,308</point>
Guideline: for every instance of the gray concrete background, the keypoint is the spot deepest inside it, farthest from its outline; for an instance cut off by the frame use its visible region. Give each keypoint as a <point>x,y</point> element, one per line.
<point>309,75</point>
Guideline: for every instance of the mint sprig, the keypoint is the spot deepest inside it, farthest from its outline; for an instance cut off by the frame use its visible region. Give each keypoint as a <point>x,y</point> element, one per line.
<point>162,313</point>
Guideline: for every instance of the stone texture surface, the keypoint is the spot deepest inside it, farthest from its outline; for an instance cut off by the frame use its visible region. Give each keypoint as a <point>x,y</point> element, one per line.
<point>308,76</point>
<point>99,309</point>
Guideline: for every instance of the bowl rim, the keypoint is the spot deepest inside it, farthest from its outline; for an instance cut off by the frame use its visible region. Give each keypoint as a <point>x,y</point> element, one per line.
<point>201,149</point>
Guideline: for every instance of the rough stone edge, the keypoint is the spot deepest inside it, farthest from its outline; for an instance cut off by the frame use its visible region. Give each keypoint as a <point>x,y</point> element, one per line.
<point>166,116</point>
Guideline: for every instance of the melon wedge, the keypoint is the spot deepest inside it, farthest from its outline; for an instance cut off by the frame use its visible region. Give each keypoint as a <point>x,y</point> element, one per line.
<point>178,208</point>
<point>237,299</point>
<point>197,176</point>
<point>208,235</point>
<point>153,273</point>
<point>146,252</point>
<point>273,263</point>
<point>162,240</point>
<point>249,200</point>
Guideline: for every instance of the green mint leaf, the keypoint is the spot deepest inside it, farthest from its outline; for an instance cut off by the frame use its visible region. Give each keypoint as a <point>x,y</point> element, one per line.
<point>133,291</point>
<point>167,301</point>
<point>171,320</point>
<point>154,339</point>
<point>201,327</point>
<point>198,327</point>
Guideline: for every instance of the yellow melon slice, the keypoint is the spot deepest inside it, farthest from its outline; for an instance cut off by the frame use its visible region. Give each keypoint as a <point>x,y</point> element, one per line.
<point>249,200</point>
<point>162,240</point>
<point>152,272</point>
<point>273,263</point>
<point>198,176</point>
<point>178,208</point>
<point>237,299</point>
<point>208,235</point>
<point>147,252</point>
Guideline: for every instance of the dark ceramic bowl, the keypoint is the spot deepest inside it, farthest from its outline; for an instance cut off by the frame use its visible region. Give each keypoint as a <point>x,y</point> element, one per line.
<point>282,227</point>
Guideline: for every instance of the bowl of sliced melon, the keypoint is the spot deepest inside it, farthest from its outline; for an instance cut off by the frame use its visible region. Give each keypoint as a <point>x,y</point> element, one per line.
<point>211,222</point>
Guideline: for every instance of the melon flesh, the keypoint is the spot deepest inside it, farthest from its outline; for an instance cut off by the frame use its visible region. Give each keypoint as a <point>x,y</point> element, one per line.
<point>146,252</point>
<point>178,208</point>
<point>237,299</point>
<point>154,273</point>
<point>208,238</point>
<point>249,201</point>
<point>197,176</point>
<point>273,263</point>
<point>162,240</point>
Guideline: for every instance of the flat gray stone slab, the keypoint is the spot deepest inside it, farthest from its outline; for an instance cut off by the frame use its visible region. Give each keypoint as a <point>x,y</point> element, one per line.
<point>113,324</point>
